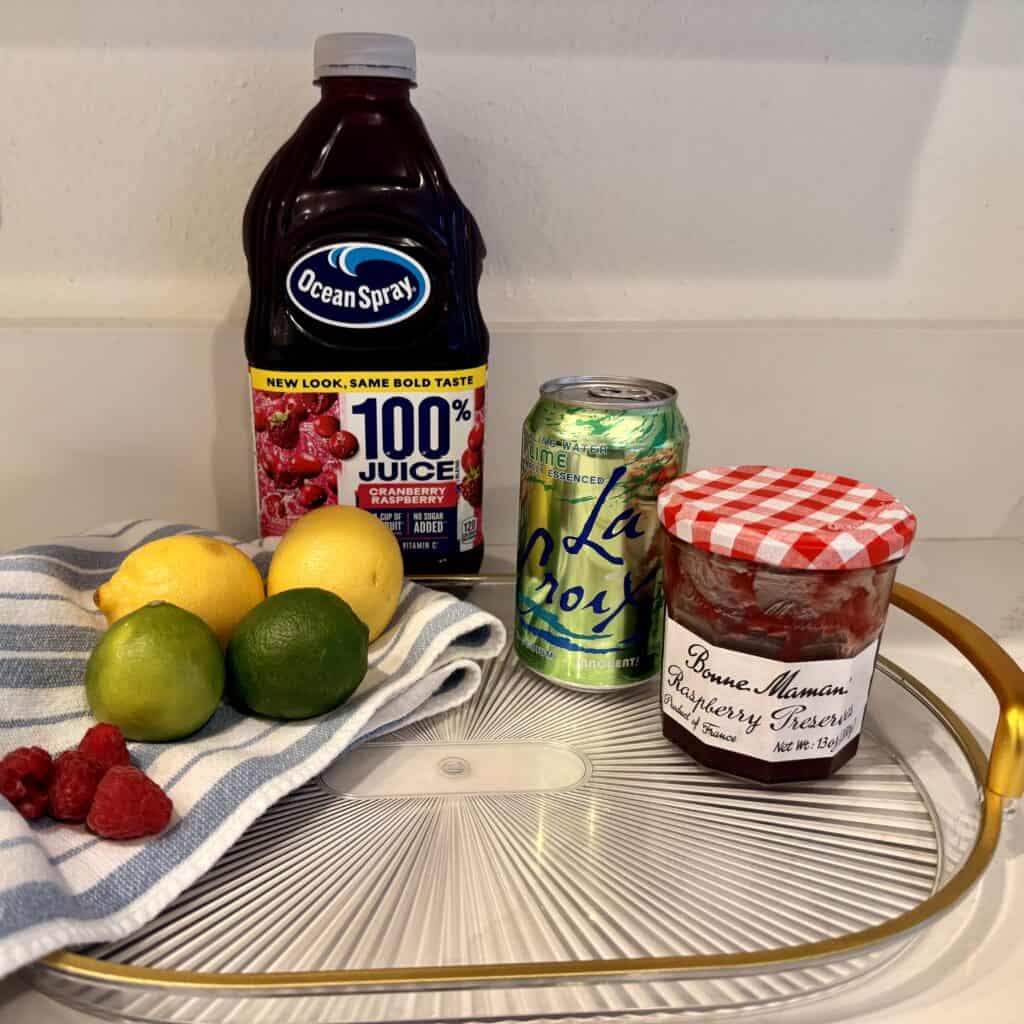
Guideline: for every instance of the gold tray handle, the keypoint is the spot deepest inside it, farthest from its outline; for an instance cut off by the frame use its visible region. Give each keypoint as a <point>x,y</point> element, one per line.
<point>1000,671</point>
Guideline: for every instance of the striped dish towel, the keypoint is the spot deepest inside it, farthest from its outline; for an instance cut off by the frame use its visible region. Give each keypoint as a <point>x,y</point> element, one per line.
<point>61,886</point>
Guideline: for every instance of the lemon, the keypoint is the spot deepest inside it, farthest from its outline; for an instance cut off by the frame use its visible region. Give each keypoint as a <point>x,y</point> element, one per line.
<point>158,673</point>
<point>347,551</point>
<point>299,654</point>
<point>204,576</point>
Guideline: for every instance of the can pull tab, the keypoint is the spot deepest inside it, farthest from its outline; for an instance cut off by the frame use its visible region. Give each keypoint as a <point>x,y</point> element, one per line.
<point>621,393</point>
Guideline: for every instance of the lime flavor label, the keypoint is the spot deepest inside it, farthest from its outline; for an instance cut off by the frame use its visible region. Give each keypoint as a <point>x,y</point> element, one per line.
<point>404,445</point>
<point>763,708</point>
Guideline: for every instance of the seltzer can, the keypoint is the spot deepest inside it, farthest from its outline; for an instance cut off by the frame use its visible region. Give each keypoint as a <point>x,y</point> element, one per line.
<point>589,603</point>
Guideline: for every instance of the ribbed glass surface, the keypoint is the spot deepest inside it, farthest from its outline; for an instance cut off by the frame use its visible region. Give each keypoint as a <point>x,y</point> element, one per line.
<point>542,824</point>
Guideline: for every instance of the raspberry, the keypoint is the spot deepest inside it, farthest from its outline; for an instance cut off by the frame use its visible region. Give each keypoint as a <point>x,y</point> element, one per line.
<point>105,743</point>
<point>73,785</point>
<point>32,763</point>
<point>24,774</point>
<point>128,804</point>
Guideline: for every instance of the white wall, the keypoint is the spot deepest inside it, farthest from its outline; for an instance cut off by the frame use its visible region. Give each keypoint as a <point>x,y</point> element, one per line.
<point>808,214</point>
<point>666,159</point>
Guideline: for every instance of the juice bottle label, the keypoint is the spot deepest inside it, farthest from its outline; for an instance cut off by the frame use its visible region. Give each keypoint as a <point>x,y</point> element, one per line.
<point>407,446</point>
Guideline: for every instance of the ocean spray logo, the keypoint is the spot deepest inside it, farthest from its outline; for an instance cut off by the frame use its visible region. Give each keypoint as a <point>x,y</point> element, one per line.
<point>357,284</point>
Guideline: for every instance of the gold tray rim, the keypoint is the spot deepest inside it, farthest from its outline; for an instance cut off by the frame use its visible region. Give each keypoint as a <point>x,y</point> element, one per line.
<point>981,650</point>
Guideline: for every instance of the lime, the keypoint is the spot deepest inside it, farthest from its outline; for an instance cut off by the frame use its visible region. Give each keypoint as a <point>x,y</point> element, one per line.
<point>158,673</point>
<point>296,655</point>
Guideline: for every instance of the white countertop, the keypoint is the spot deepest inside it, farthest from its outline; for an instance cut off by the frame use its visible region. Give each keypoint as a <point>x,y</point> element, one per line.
<point>972,963</point>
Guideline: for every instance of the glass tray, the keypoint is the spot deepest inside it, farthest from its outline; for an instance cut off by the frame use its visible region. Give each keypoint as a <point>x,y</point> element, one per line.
<point>544,854</point>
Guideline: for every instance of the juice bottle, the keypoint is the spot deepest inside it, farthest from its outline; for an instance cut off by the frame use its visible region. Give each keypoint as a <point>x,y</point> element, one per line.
<point>367,350</point>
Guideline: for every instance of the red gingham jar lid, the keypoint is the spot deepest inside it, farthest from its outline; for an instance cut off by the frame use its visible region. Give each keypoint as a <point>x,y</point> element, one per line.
<point>790,518</point>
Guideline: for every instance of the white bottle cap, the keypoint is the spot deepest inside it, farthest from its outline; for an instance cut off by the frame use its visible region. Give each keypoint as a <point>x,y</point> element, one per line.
<point>364,53</point>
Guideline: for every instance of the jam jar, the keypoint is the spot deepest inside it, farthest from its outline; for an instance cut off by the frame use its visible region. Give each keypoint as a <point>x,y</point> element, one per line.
<point>777,583</point>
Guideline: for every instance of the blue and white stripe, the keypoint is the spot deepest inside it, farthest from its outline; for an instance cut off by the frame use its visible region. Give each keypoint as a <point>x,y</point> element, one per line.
<point>59,885</point>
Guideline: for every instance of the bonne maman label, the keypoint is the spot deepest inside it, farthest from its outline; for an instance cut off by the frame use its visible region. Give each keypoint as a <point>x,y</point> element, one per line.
<point>771,710</point>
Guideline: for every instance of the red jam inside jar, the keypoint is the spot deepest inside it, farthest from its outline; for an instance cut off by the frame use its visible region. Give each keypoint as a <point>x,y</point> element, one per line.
<point>767,667</point>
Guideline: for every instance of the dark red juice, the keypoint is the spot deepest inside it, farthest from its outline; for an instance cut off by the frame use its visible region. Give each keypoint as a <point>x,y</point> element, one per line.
<point>365,341</point>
